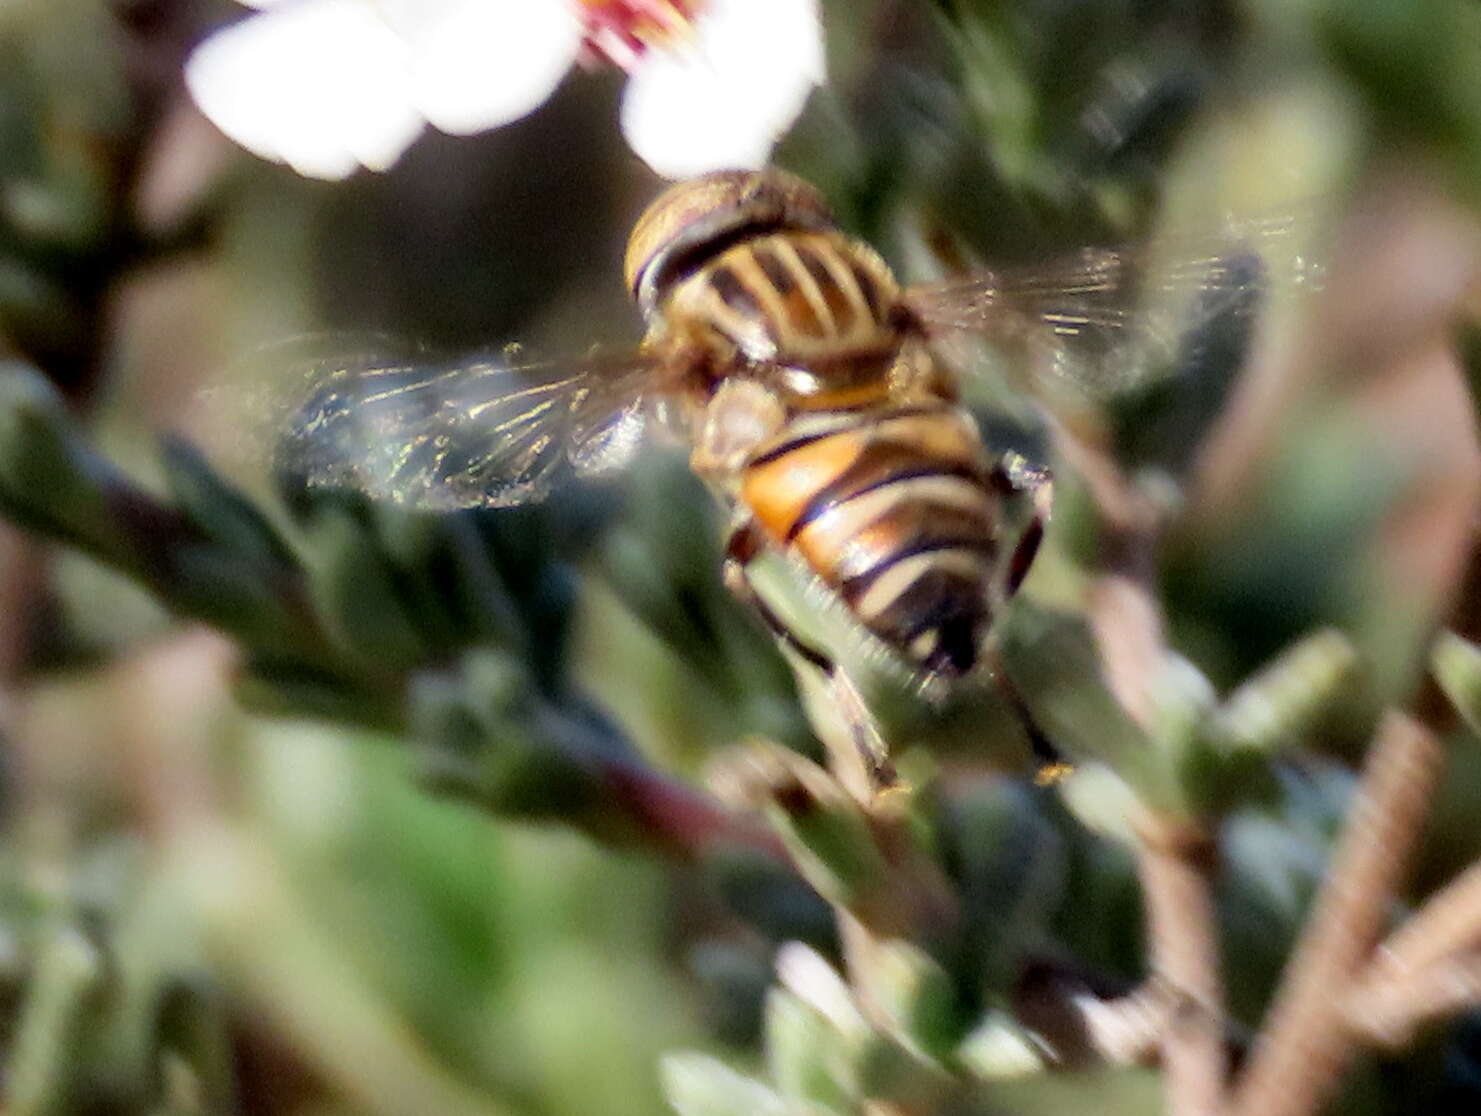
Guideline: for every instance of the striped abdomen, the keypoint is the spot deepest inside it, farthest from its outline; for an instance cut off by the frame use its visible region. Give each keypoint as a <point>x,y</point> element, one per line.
<point>892,509</point>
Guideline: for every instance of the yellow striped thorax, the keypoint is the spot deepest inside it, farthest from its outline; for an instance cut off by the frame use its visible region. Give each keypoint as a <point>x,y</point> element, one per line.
<point>694,219</point>
<point>816,305</point>
<point>749,266</point>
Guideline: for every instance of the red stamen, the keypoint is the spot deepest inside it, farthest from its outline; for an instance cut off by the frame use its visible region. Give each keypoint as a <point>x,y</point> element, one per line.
<point>620,32</point>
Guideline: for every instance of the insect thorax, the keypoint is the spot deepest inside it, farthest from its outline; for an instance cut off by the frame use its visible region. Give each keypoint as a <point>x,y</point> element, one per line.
<point>817,307</point>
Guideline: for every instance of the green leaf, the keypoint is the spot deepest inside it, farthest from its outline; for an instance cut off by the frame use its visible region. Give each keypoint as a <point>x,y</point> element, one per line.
<point>1000,1047</point>
<point>57,1008</point>
<point>825,829</point>
<point>698,1085</point>
<point>1457,666</point>
<point>49,479</point>
<point>355,587</point>
<point>806,1055</point>
<point>1279,703</point>
<point>1052,658</point>
<point>916,996</point>
<point>220,511</point>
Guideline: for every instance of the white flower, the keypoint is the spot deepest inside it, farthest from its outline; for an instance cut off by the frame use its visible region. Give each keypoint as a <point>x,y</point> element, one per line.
<point>328,86</point>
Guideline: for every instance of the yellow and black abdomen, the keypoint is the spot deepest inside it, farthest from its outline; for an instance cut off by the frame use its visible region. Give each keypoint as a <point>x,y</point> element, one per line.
<point>893,509</point>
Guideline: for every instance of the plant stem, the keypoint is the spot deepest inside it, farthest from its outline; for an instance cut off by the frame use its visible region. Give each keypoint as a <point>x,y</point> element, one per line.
<point>1448,923</point>
<point>1305,1042</point>
<point>1175,864</point>
<point>1386,1014</point>
<point>1175,856</point>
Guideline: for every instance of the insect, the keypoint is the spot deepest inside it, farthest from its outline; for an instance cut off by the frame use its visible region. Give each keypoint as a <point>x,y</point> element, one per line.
<point>802,376</point>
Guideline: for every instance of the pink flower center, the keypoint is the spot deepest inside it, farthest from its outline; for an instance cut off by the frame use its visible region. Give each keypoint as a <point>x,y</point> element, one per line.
<point>620,32</point>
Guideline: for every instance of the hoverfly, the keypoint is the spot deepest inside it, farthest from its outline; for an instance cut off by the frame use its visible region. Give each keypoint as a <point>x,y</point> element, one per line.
<point>803,378</point>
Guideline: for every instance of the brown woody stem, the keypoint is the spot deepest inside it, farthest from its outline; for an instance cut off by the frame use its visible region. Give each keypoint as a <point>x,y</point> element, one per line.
<point>1449,923</point>
<point>1306,1042</point>
<point>1175,867</point>
<point>1387,1013</point>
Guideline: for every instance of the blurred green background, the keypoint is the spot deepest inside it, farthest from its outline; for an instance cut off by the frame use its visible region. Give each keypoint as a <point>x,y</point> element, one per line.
<point>333,809</point>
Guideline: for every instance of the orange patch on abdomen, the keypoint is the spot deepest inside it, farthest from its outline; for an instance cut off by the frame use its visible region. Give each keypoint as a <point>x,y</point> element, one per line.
<point>779,486</point>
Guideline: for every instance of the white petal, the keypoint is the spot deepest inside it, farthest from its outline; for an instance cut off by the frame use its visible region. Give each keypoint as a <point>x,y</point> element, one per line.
<point>483,63</point>
<point>725,97</point>
<point>320,85</point>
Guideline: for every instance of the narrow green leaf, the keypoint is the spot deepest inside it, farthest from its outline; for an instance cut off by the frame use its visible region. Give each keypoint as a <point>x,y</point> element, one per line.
<point>698,1085</point>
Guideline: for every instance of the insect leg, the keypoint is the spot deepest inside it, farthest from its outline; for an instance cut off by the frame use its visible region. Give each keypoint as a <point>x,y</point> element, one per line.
<point>1052,764</point>
<point>743,547</point>
<point>1014,478</point>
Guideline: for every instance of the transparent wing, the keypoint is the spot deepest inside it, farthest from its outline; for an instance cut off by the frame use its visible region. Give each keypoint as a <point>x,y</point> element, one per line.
<point>1102,316</point>
<point>486,431</point>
